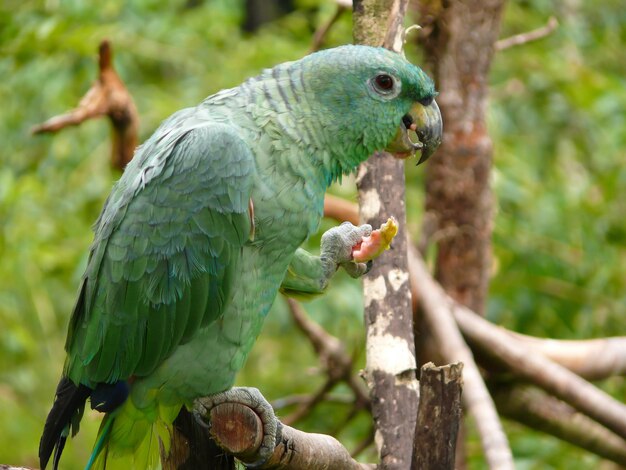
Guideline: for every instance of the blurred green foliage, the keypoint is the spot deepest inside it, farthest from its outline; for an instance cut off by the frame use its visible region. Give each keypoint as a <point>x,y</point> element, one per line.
<point>559,130</point>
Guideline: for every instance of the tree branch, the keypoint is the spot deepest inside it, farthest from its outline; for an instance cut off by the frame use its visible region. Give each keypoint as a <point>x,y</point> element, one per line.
<point>529,36</point>
<point>341,210</point>
<point>301,398</point>
<point>592,359</point>
<point>549,375</point>
<point>453,348</point>
<point>322,31</point>
<point>107,97</point>
<point>536,409</point>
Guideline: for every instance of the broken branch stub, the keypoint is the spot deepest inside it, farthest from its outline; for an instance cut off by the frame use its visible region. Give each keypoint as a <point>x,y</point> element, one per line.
<point>107,96</point>
<point>438,417</point>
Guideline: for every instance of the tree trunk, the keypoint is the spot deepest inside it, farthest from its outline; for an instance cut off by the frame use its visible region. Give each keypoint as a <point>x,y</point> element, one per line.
<point>459,46</point>
<point>390,362</point>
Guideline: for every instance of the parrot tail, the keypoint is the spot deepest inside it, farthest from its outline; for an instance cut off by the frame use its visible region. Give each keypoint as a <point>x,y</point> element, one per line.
<point>65,415</point>
<point>133,438</point>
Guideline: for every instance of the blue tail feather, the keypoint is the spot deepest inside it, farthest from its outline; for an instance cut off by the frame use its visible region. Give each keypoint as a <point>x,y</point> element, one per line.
<point>105,430</point>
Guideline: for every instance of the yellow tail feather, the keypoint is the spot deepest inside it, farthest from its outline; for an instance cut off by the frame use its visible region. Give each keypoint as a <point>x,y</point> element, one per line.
<point>134,438</point>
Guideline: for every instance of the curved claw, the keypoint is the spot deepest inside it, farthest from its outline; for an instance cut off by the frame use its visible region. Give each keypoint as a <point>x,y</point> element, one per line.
<point>267,448</point>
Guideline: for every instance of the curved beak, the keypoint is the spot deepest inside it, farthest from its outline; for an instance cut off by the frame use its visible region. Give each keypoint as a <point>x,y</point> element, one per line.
<point>421,129</point>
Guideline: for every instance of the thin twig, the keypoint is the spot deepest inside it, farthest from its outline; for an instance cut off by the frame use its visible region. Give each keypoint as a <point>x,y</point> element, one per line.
<point>338,364</point>
<point>528,36</point>
<point>322,31</point>
<point>305,408</point>
<point>298,399</point>
<point>364,444</point>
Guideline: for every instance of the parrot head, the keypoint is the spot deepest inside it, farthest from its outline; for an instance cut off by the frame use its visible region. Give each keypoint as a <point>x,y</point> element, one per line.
<point>375,99</point>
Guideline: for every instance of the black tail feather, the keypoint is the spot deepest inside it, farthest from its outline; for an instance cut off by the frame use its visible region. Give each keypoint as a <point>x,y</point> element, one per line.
<point>69,401</point>
<point>58,450</point>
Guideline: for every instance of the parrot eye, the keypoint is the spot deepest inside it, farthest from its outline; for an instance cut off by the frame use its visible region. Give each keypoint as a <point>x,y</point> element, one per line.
<point>383,82</point>
<point>385,86</point>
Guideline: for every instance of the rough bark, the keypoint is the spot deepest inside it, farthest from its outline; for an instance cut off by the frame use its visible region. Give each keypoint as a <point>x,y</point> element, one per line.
<point>459,44</point>
<point>536,409</point>
<point>108,96</point>
<point>438,417</point>
<point>390,351</point>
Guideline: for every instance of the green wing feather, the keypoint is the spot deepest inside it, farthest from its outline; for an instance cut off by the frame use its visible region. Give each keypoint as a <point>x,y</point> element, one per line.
<point>167,244</point>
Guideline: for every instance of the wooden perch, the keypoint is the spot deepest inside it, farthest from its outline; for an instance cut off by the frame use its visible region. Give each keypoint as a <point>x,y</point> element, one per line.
<point>438,417</point>
<point>536,409</point>
<point>239,431</point>
<point>107,97</point>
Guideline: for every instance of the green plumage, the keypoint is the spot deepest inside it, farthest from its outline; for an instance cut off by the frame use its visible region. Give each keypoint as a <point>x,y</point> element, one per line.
<point>176,287</point>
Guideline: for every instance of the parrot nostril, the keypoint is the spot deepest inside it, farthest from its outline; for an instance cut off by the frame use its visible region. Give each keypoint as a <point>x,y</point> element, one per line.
<point>407,120</point>
<point>426,101</point>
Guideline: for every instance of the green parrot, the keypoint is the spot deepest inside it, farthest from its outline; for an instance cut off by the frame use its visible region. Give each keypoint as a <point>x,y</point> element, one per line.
<point>203,229</point>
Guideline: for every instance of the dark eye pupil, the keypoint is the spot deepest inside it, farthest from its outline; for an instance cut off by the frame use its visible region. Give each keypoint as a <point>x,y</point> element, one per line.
<point>384,82</point>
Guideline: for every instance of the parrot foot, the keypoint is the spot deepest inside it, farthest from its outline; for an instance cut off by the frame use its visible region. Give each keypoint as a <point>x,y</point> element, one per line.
<point>337,247</point>
<point>252,398</point>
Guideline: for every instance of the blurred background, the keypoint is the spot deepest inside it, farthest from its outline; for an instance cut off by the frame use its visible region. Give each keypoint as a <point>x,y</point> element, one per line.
<point>558,120</point>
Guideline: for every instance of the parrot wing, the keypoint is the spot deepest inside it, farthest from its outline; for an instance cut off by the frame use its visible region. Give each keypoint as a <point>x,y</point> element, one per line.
<point>167,245</point>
